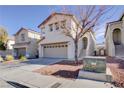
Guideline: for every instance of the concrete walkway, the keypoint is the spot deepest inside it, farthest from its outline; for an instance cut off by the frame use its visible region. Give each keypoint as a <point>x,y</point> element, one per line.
<point>23,75</point>
<point>4,84</point>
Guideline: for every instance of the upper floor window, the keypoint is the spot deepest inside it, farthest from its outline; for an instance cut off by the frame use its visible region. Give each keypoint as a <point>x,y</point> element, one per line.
<point>22,37</point>
<point>51,27</point>
<point>57,25</point>
<point>63,24</point>
<point>43,28</point>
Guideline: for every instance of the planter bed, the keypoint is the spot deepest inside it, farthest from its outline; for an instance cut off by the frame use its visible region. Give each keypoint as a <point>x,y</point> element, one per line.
<point>117,68</point>
<point>64,69</point>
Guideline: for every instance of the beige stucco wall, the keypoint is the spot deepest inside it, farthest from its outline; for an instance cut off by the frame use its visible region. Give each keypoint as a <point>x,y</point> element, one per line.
<point>91,44</point>
<point>32,47</point>
<point>57,36</point>
<point>109,36</point>
<point>18,37</point>
<point>10,44</point>
<point>33,35</point>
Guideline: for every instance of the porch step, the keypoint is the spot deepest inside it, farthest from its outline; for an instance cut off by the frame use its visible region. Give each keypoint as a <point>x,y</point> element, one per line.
<point>105,77</point>
<point>119,50</point>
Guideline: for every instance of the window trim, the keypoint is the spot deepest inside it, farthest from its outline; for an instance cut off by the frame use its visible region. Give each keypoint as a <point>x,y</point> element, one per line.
<point>56,25</point>
<point>63,24</point>
<point>22,37</point>
<point>51,27</point>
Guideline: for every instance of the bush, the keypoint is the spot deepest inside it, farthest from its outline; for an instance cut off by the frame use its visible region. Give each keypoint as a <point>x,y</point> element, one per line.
<point>1,59</point>
<point>9,57</point>
<point>2,46</point>
<point>22,58</point>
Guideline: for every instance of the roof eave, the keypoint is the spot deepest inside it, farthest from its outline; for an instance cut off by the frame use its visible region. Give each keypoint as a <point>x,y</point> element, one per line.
<point>52,16</point>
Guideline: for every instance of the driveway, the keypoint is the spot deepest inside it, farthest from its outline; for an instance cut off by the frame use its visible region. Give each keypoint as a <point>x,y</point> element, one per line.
<point>31,63</point>
<point>20,74</point>
<point>44,61</point>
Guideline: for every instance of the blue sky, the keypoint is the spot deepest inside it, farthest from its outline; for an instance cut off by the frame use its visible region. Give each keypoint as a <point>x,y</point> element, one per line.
<point>13,18</point>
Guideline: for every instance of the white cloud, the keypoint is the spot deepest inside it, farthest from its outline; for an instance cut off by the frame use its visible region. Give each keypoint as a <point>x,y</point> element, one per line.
<point>99,34</point>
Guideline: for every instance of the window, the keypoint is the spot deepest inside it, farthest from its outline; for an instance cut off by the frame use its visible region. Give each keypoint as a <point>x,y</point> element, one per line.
<point>43,28</point>
<point>66,45</point>
<point>48,46</point>
<point>22,37</point>
<point>51,27</point>
<point>62,45</point>
<point>63,24</point>
<point>57,26</point>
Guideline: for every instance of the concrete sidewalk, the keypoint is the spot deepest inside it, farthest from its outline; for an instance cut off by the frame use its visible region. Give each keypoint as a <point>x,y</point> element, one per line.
<point>22,74</point>
<point>4,84</point>
<point>31,79</point>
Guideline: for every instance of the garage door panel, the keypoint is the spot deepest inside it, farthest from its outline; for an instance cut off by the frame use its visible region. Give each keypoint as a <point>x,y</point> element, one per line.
<point>55,52</point>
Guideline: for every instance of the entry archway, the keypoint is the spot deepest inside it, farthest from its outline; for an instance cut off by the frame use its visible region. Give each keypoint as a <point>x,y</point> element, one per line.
<point>117,36</point>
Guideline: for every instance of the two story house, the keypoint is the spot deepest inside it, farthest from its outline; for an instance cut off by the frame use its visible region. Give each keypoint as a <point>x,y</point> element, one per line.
<point>55,44</point>
<point>10,43</point>
<point>26,43</point>
<point>114,38</point>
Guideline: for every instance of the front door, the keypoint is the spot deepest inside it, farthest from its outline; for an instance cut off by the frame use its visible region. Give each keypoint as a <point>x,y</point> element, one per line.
<point>20,51</point>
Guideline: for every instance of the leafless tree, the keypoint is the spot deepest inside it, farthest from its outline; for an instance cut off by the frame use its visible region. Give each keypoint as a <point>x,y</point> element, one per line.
<point>89,18</point>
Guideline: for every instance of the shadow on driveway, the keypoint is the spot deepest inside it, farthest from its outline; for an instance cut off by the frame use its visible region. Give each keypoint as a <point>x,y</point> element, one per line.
<point>16,85</point>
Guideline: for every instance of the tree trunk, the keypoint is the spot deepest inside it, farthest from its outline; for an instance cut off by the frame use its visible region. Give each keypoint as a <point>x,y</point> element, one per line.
<point>76,51</point>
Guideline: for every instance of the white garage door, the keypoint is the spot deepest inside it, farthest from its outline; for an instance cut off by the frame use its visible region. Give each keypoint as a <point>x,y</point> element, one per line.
<point>55,50</point>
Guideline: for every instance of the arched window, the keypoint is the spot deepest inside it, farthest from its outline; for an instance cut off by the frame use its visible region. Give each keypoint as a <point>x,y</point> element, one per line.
<point>117,36</point>
<point>85,41</point>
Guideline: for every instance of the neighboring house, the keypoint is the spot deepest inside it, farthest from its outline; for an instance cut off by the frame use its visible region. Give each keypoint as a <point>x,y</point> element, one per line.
<point>10,43</point>
<point>26,43</point>
<point>56,44</point>
<point>100,49</point>
<point>114,38</point>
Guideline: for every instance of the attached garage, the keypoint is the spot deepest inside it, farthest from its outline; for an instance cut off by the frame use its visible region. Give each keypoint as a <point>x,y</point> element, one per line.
<point>57,50</point>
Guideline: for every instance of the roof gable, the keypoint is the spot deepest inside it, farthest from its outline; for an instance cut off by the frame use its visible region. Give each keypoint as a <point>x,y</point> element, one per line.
<point>19,31</point>
<point>28,30</point>
<point>52,15</point>
<point>122,17</point>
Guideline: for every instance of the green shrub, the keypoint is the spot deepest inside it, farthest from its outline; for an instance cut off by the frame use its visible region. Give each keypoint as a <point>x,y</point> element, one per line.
<point>9,57</point>
<point>22,58</point>
<point>1,59</point>
<point>2,46</point>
